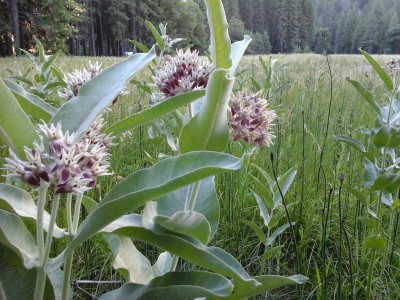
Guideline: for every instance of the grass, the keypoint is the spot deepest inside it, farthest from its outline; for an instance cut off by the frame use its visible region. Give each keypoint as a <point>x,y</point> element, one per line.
<point>314,102</point>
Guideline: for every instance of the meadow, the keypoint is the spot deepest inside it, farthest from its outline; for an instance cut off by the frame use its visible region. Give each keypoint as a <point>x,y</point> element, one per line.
<point>314,102</point>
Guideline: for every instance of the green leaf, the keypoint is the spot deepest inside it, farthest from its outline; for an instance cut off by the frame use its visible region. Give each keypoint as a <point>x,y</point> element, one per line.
<point>20,202</point>
<point>263,210</point>
<point>206,203</point>
<point>238,49</point>
<point>370,173</point>
<point>381,72</point>
<point>208,129</point>
<point>49,61</point>
<point>184,246</point>
<point>190,223</point>
<point>140,46</point>
<point>156,35</point>
<point>351,142</point>
<point>258,231</point>
<point>375,242</point>
<point>16,129</point>
<point>15,235</point>
<point>148,184</point>
<point>387,182</point>
<point>163,264</point>
<point>154,112</point>
<point>31,103</point>
<point>265,192</point>
<point>356,193</point>
<point>285,181</point>
<point>242,290</point>
<point>23,79</point>
<point>40,48</point>
<point>132,264</point>
<point>16,282</point>
<point>95,95</point>
<point>271,252</point>
<point>220,48</point>
<point>396,204</point>
<point>175,285</point>
<point>366,94</point>
<point>279,214</point>
<point>276,233</point>
<point>387,137</point>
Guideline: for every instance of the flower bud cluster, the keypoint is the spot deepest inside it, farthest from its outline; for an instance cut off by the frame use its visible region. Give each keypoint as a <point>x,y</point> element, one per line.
<point>65,165</point>
<point>393,65</point>
<point>250,119</point>
<point>77,78</point>
<point>182,73</point>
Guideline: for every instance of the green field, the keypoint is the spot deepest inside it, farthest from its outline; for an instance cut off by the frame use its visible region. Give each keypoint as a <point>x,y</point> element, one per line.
<point>314,102</point>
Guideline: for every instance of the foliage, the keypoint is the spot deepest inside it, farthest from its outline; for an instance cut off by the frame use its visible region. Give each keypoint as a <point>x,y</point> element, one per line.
<point>63,158</point>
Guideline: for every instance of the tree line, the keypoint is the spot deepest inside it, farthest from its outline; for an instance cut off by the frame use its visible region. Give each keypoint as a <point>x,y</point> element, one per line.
<point>104,27</point>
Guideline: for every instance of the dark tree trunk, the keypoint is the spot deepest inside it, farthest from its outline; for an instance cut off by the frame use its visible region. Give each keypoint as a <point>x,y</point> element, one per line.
<point>15,27</point>
<point>92,39</point>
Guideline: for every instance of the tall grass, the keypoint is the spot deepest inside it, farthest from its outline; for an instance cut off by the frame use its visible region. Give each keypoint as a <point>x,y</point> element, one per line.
<point>314,102</point>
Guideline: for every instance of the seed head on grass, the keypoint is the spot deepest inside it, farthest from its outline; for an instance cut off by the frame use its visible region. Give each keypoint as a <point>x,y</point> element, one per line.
<point>251,120</point>
<point>65,165</point>
<point>184,72</point>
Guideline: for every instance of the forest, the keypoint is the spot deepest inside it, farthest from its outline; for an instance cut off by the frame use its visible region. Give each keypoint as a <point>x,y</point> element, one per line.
<point>105,27</point>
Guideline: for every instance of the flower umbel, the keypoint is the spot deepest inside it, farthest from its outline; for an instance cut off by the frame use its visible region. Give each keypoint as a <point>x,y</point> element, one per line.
<point>393,65</point>
<point>182,73</point>
<point>66,166</point>
<point>251,119</point>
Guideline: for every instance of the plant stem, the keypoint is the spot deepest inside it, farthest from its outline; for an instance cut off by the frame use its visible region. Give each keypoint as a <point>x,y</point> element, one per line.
<point>67,276</point>
<point>191,202</point>
<point>41,275</point>
<point>52,223</point>
<point>77,209</point>
<point>40,284</point>
<point>69,213</point>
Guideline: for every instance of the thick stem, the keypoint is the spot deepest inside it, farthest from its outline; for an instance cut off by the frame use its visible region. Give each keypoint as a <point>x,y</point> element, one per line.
<point>67,276</point>
<point>191,202</point>
<point>41,275</point>
<point>50,230</point>
<point>40,284</point>
<point>77,210</point>
<point>69,213</point>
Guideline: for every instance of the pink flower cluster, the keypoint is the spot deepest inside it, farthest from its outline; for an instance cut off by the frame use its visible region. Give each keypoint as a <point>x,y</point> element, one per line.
<point>251,120</point>
<point>66,166</point>
<point>182,73</point>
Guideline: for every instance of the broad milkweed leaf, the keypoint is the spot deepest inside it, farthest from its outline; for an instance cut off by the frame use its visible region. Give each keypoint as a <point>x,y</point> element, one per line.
<point>175,285</point>
<point>156,111</point>
<point>238,49</point>
<point>381,72</point>
<point>157,36</point>
<point>366,94</point>
<point>16,130</point>
<point>95,95</point>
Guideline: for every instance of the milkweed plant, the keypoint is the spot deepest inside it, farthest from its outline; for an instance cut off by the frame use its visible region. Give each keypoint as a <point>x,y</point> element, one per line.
<point>60,158</point>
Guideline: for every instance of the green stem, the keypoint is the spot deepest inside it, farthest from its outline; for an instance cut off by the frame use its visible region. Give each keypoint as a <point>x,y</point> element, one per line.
<point>50,230</point>
<point>67,276</point>
<point>191,202</point>
<point>41,275</point>
<point>69,213</point>
<point>77,210</point>
<point>40,284</point>
<point>174,263</point>
<point>39,228</point>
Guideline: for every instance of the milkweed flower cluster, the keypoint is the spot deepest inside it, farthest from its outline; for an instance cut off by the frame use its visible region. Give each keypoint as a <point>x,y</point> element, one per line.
<point>65,165</point>
<point>77,78</point>
<point>251,120</point>
<point>393,65</point>
<point>182,73</point>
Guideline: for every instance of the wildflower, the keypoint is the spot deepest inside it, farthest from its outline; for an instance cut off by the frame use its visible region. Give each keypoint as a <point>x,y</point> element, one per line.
<point>66,166</point>
<point>251,119</point>
<point>393,66</point>
<point>77,78</point>
<point>182,73</point>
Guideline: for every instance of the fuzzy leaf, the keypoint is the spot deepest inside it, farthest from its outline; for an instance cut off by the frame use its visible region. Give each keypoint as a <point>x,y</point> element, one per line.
<point>220,47</point>
<point>238,49</point>
<point>175,285</point>
<point>366,94</point>
<point>20,202</point>
<point>263,210</point>
<point>16,130</point>
<point>375,242</point>
<point>157,36</point>
<point>154,112</point>
<point>351,142</point>
<point>15,235</point>
<point>31,103</point>
<point>208,129</point>
<point>381,72</point>
<point>149,184</point>
<point>387,182</point>
<point>258,231</point>
<point>95,95</point>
